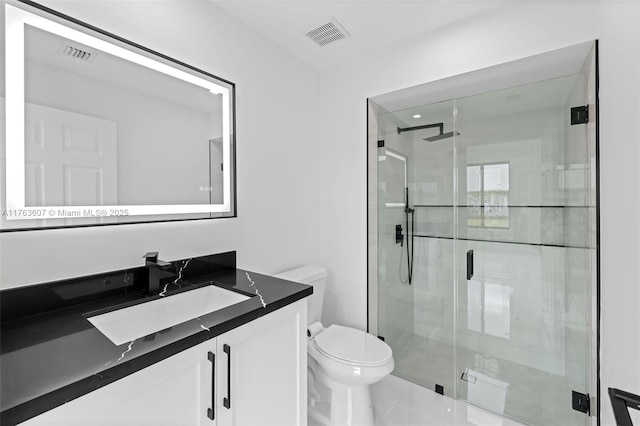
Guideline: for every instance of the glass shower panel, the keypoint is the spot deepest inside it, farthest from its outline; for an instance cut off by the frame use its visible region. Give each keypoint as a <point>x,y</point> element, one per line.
<point>415,248</point>
<point>523,227</point>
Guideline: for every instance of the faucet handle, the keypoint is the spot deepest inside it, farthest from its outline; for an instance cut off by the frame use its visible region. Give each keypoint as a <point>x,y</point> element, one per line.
<point>151,256</point>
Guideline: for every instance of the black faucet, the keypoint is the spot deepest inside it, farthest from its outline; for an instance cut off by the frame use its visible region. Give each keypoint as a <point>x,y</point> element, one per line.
<point>156,270</point>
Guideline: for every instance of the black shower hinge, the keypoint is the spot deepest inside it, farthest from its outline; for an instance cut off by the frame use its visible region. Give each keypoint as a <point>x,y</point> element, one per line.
<point>581,402</point>
<point>381,144</point>
<point>580,115</point>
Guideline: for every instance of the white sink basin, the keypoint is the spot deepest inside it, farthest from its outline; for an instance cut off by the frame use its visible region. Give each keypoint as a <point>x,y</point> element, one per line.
<point>128,324</point>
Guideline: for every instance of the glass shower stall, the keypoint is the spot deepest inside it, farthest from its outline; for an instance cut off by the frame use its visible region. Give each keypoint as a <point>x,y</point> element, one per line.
<point>484,247</point>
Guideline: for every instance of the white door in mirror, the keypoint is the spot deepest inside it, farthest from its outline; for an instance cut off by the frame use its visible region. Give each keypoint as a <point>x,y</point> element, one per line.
<point>70,160</point>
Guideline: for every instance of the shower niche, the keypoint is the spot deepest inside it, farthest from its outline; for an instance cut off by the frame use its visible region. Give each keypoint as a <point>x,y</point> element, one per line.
<point>490,292</point>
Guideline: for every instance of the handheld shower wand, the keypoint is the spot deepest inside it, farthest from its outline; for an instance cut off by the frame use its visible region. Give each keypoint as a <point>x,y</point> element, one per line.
<point>410,231</point>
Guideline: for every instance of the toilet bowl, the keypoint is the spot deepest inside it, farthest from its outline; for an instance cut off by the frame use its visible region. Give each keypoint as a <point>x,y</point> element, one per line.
<point>342,361</point>
<point>348,361</point>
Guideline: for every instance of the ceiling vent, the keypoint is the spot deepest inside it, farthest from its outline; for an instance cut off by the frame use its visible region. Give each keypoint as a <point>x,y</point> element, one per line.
<point>77,53</point>
<point>328,32</point>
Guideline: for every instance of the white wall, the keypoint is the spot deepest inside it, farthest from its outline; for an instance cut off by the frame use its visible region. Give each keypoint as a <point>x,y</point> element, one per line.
<point>505,34</point>
<point>277,181</point>
<point>620,198</point>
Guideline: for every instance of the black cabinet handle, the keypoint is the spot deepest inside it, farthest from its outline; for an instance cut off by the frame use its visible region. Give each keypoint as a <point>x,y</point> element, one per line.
<point>227,401</point>
<point>469,264</point>
<point>210,411</point>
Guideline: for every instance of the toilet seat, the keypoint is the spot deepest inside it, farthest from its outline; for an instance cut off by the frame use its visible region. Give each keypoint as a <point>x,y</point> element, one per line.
<point>351,346</point>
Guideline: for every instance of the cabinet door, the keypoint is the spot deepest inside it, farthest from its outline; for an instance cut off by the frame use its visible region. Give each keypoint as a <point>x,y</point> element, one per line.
<point>267,361</point>
<point>176,391</point>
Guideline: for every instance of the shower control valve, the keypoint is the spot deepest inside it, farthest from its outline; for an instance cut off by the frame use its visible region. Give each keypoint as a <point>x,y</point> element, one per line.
<point>399,235</point>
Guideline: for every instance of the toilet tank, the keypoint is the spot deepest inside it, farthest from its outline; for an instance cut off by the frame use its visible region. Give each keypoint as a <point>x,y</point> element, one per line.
<point>315,276</point>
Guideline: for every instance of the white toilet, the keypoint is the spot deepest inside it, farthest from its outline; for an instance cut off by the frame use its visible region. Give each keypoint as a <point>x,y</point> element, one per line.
<point>342,361</point>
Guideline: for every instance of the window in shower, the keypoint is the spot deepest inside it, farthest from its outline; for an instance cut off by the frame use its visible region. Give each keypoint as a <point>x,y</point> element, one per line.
<point>488,195</point>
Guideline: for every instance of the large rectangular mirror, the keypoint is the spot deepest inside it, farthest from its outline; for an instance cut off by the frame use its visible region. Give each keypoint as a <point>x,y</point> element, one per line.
<point>99,130</point>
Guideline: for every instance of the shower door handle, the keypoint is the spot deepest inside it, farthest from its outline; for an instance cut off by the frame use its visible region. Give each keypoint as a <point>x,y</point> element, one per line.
<point>469,264</point>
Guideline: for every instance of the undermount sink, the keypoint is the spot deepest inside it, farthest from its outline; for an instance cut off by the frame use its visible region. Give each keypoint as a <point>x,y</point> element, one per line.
<point>127,324</point>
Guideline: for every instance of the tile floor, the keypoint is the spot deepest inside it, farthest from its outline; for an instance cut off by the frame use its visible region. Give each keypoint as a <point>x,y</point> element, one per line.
<point>398,402</point>
<point>532,395</point>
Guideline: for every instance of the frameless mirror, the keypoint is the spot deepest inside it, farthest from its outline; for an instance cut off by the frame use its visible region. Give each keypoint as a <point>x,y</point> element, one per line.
<point>99,130</point>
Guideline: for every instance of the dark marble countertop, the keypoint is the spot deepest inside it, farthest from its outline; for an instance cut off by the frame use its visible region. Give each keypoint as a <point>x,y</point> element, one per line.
<point>52,357</point>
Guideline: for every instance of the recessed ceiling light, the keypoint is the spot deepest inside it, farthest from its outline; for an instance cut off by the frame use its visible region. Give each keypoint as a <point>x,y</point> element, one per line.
<point>417,116</point>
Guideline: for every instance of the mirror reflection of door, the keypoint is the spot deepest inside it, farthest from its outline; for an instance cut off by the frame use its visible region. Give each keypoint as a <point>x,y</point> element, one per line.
<point>217,177</point>
<point>70,159</point>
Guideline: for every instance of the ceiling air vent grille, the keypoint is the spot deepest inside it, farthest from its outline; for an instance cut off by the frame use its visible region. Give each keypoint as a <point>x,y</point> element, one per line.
<point>76,53</point>
<point>328,32</point>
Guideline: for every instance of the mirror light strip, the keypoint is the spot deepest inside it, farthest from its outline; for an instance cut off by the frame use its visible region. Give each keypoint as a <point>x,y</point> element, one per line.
<point>15,21</point>
<point>62,212</point>
<point>226,151</point>
<point>14,108</point>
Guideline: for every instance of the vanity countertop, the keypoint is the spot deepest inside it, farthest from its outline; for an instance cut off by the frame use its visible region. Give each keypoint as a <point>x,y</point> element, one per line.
<point>55,356</point>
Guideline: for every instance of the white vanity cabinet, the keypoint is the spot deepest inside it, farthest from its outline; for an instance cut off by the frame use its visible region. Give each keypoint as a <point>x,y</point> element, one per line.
<point>266,360</point>
<point>268,367</point>
<point>173,391</point>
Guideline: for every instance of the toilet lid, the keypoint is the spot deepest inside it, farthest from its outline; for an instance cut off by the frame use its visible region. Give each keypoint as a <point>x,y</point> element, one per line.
<point>353,345</point>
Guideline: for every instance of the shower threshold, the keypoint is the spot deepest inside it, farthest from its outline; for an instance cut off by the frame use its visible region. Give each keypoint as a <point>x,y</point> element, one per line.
<point>399,402</point>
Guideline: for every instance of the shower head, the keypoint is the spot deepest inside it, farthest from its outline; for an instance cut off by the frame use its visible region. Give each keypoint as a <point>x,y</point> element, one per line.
<point>437,137</point>
<point>441,136</point>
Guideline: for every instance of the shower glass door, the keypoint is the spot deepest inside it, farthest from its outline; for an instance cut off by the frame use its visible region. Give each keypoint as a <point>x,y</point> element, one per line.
<point>524,251</point>
<point>487,248</point>
<point>416,245</point>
